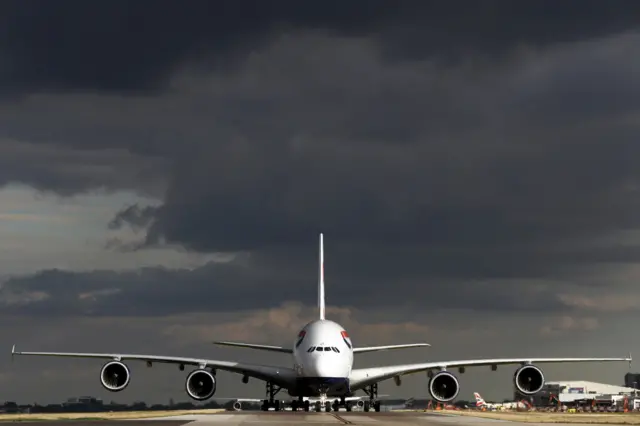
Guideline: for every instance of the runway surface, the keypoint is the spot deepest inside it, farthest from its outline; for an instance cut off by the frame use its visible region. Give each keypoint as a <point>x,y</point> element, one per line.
<point>300,418</point>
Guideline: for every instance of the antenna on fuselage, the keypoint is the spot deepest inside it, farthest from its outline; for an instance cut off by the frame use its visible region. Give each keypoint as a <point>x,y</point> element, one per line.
<point>321,279</point>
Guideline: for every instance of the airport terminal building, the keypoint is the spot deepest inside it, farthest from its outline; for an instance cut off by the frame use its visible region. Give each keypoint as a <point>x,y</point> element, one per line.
<point>568,391</point>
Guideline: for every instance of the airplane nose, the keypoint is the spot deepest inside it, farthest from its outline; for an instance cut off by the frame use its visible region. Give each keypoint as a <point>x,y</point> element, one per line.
<point>327,368</point>
<point>324,368</point>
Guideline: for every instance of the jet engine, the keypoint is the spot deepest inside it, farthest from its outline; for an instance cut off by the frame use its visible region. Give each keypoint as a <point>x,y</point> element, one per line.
<point>444,386</point>
<point>201,385</point>
<point>237,406</point>
<point>360,403</point>
<point>528,379</point>
<point>114,376</point>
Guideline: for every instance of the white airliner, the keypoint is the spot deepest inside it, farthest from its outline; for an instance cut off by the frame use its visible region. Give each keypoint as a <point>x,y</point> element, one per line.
<point>322,367</point>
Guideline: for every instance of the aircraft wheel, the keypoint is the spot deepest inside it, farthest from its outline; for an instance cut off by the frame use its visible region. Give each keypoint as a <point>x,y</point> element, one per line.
<point>318,407</point>
<point>347,405</point>
<point>307,405</point>
<point>367,405</point>
<point>376,406</point>
<point>276,405</point>
<point>327,406</point>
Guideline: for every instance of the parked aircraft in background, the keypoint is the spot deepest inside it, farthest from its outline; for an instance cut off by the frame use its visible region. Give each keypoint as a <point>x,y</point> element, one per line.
<point>513,405</point>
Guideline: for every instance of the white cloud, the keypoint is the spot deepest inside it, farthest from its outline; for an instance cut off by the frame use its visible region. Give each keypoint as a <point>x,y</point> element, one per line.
<point>41,231</point>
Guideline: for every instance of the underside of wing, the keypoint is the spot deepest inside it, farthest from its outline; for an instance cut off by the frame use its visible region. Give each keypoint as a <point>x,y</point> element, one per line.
<point>444,386</point>
<point>254,346</point>
<point>388,347</point>
<point>200,383</point>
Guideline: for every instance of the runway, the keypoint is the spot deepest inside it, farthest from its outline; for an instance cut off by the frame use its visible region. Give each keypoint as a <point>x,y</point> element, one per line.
<point>299,418</point>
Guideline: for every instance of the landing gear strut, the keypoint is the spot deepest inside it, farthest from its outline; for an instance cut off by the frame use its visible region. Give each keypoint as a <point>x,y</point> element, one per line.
<point>272,391</point>
<point>372,391</point>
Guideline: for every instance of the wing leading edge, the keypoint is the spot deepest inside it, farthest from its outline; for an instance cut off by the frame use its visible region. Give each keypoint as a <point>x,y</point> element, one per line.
<point>384,348</point>
<point>254,346</point>
<point>281,376</point>
<point>365,376</point>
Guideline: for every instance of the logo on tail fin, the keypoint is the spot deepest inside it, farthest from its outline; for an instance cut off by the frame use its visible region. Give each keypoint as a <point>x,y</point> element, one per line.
<point>479,399</point>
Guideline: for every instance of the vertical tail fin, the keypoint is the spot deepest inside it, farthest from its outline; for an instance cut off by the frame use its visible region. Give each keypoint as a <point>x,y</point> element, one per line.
<point>321,279</point>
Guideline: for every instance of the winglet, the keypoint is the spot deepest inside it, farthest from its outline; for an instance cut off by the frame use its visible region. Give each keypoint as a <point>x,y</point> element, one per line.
<point>630,359</point>
<point>321,278</point>
<point>13,351</point>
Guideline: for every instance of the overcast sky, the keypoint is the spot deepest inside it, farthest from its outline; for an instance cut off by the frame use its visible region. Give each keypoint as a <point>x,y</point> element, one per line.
<point>166,168</point>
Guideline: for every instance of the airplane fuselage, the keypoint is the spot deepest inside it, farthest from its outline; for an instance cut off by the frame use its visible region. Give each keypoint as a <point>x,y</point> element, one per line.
<point>322,359</point>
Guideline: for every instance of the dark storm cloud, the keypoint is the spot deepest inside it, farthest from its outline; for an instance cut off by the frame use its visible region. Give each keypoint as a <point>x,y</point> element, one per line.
<point>485,160</point>
<point>471,153</point>
<point>68,171</point>
<point>228,288</point>
<point>71,45</point>
<point>355,277</point>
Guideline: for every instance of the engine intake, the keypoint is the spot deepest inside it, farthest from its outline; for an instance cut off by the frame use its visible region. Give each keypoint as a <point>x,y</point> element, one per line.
<point>237,406</point>
<point>201,385</point>
<point>114,376</point>
<point>529,379</point>
<point>444,386</point>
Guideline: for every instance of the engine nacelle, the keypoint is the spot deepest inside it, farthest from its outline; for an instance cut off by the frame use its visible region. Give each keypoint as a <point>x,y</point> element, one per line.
<point>115,376</point>
<point>360,403</point>
<point>444,386</point>
<point>528,379</point>
<point>237,406</point>
<point>200,385</point>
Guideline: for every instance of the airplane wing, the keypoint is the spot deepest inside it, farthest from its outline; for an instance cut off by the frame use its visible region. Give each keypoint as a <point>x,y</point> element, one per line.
<point>289,351</point>
<point>384,348</point>
<point>254,346</point>
<point>281,376</point>
<point>362,377</point>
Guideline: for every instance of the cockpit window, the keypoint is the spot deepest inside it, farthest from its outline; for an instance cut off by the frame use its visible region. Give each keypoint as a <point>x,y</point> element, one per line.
<point>300,337</point>
<point>323,349</point>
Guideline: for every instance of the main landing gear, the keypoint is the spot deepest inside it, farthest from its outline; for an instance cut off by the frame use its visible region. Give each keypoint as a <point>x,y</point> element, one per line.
<point>372,391</point>
<point>271,402</point>
<point>341,403</point>
<point>300,403</point>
